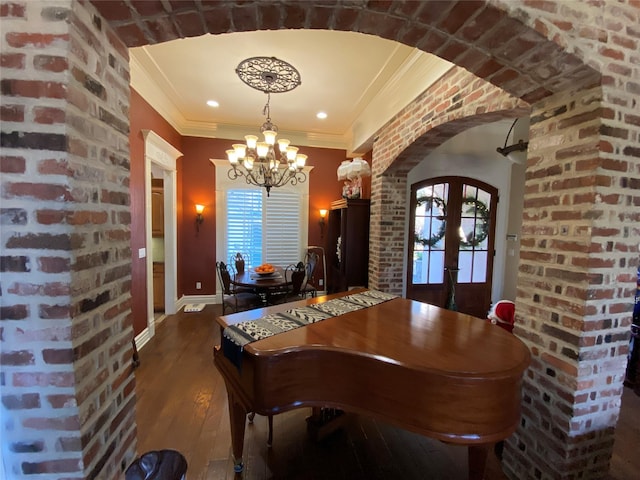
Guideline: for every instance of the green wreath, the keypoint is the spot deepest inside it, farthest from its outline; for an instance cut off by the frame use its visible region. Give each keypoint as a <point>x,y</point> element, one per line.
<point>433,239</point>
<point>481,230</point>
<point>477,207</point>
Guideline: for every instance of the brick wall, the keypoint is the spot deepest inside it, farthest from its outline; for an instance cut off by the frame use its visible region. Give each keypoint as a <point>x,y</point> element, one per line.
<point>577,258</point>
<point>67,386</point>
<point>575,63</point>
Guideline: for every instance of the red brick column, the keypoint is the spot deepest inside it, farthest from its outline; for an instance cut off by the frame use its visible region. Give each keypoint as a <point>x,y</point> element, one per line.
<point>575,248</point>
<point>67,385</point>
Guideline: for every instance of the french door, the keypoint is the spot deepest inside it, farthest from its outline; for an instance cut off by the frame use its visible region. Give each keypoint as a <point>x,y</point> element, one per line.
<point>452,244</point>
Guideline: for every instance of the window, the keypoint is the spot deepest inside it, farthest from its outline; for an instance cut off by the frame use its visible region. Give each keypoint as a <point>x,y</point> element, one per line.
<point>270,229</point>
<point>266,229</point>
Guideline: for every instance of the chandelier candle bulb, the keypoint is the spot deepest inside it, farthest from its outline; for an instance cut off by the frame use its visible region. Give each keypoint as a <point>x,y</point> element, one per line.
<point>240,149</point>
<point>251,140</point>
<point>269,137</point>
<point>232,156</point>
<point>283,143</point>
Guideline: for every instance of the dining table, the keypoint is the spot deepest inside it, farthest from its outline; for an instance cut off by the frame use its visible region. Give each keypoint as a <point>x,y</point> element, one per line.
<point>263,284</point>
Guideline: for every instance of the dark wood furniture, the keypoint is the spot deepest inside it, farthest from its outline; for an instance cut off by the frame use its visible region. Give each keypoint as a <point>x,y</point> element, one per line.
<point>433,371</point>
<point>235,299</point>
<point>271,287</point>
<point>250,279</point>
<point>157,208</point>
<point>158,286</point>
<point>348,233</point>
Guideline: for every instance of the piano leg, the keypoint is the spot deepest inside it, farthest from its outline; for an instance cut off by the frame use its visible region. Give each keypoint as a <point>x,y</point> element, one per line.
<point>238,418</point>
<point>477,461</point>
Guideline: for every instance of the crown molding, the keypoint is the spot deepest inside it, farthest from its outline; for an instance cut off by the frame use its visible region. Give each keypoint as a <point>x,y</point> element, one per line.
<point>417,73</point>
<point>148,89</point>
<point>237,132</point>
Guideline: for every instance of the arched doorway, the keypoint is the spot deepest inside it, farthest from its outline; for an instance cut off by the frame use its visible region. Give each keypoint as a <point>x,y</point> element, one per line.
<point>451,256</point>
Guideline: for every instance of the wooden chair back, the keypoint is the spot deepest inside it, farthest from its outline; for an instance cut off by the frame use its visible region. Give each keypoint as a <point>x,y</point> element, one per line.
<point>239,262</point>
<point>311,262</point>
<point>295,275</point>
<point>225,278</point>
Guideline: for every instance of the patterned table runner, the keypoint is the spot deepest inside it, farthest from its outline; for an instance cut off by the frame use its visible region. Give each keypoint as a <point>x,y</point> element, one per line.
<point>235,337</point>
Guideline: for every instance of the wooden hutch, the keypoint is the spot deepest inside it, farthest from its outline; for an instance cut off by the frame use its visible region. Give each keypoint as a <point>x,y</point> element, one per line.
<point>347,245</point>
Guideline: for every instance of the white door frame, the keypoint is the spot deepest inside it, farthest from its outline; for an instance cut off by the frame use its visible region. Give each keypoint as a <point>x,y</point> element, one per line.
<point>163,156</point>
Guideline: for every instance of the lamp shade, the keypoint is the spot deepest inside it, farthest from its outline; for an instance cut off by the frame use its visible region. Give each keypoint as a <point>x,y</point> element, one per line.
<point>358,168</point>
<point>343,169</point>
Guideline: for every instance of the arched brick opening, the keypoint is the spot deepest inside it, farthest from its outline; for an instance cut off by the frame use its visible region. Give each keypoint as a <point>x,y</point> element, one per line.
<point>457,102</point>
<point>578,243</point>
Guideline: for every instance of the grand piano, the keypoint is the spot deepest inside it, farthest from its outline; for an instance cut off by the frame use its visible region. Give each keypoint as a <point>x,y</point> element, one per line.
<point>433,371</point>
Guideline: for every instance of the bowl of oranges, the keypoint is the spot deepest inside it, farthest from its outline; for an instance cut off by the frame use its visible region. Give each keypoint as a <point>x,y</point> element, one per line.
<point>265,269</point>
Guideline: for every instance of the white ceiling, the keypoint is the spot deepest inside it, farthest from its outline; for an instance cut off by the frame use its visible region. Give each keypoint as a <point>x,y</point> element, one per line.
<point>359,80</point>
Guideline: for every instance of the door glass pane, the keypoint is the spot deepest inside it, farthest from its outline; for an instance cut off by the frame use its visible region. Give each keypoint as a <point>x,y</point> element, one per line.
<point>429,234</point>
<point>436,270</point>
<point>474,235</point>
<point>465,261</point>
<point>479,267</point>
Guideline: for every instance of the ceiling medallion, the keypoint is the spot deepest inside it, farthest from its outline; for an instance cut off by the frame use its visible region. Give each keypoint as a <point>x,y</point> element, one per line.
<point>268,74</point>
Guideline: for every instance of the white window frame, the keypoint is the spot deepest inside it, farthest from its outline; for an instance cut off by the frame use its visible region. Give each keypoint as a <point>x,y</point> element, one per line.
<point>224,183</point>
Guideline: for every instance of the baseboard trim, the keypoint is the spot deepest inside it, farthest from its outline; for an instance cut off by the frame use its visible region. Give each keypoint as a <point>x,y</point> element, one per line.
<point>207,299</point>
<point>142,338</point>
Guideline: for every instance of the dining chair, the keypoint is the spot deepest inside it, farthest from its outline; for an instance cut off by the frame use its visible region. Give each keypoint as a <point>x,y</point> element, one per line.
<point>309,285</point>
<point>233,298</point>
<point>239,260</point>
<point>296,274</point>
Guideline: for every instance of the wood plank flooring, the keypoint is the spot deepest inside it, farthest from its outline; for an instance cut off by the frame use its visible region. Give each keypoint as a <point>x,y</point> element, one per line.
<point>182,405</point>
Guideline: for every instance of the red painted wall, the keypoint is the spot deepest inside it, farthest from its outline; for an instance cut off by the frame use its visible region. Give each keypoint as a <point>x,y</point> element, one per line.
<point>142,117</point>
<point>197,252</point>
<point>196,184</point>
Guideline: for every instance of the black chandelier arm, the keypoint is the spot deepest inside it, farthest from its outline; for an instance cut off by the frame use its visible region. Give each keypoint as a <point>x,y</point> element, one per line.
<point>234,173</point>
<point>298,177</point>
<point>266,178</point>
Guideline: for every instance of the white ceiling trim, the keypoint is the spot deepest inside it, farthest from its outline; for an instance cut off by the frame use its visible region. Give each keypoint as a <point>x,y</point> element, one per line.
<point>237,132</point>
<point>417,73</point>
<point>148,89</point>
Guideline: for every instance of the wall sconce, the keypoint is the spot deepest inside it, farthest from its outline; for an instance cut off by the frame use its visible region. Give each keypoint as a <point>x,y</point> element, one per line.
<point>323,213</point>
<point>509,150</point>
<point>199,217</point>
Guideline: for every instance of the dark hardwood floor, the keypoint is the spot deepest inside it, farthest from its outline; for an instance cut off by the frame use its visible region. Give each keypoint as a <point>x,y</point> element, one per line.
<point>182,405</point>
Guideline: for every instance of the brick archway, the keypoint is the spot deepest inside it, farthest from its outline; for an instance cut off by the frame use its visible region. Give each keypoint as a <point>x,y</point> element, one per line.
<point>457,102</point>
<point>579,239</point>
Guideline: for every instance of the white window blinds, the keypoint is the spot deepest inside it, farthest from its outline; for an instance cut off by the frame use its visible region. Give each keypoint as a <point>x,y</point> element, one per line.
<point>266,229</point>
<point>283,222</point>
<point>244,224</point>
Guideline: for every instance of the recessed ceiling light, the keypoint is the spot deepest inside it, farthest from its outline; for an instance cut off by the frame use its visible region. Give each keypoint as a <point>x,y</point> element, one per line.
<point>213,103</point>
<point>321,115</point>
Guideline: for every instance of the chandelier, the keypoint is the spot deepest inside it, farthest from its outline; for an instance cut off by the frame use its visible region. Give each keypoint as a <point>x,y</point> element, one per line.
<point>258,162</point>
